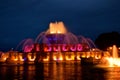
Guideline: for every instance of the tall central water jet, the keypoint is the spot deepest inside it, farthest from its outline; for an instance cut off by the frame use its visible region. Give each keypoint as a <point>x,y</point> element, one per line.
<point>114,52</point>
<point>57,28</point>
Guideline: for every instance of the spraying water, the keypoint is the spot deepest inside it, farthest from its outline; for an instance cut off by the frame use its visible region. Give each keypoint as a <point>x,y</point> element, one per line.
<point>114,60</point>
<point>114,52</point>
<point>25,45</point>
<point>57,33</point>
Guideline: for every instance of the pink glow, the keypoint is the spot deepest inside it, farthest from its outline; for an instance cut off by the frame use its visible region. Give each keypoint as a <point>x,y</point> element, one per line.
<point>28,48</point>
<point>79,47</point>
<point>47,48</point>
<point>56,48</point>
<point>37,47</point>
<point>73,48</point>
<point>64,47</point>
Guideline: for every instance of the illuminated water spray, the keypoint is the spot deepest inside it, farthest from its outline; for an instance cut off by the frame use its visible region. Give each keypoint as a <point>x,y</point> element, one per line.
<point>113,60</point>
<point>115,52</point>
<point>25,45</point>
<point>59,32</point>
<point>53,44</point>
<point>57,28</point>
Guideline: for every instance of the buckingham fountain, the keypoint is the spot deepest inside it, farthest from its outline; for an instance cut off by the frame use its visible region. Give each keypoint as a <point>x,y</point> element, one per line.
<point>58,45</point>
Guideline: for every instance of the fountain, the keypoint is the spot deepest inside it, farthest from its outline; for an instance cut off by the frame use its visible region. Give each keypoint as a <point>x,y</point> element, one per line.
<point>111,60</point>
<point>114,61</point>
<point>115,52</point>
<point>56,43</point>
<point>25,45</point>
<point>57,34</point>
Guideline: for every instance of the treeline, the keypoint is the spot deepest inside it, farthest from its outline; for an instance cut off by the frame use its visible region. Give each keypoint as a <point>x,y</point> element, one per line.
<point>105,40</point>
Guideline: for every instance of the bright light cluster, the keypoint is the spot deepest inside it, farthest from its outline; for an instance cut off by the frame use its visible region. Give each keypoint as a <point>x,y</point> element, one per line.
<point>57,27</point>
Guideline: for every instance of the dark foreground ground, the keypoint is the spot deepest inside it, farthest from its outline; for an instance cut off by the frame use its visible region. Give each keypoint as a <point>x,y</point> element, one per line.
<point>59,71</point>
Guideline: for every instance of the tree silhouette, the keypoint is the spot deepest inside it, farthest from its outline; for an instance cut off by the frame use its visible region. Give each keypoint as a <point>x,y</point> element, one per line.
<point>105,40</point>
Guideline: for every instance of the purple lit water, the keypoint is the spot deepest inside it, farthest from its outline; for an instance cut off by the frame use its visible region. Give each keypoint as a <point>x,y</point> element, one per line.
<point>60,71</point>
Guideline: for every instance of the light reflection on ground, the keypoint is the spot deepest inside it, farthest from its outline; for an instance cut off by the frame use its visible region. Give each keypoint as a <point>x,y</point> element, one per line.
<point>61,71</point>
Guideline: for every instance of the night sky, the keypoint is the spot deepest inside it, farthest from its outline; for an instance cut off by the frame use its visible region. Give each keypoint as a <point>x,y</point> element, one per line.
<point>21,19</point>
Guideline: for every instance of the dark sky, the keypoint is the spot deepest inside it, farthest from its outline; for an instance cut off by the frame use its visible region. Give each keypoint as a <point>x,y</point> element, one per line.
<point>21,19</point>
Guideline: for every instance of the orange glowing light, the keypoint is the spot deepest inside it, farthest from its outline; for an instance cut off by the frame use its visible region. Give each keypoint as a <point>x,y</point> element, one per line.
<point>54,58</point>
<point>31,59</point>
<point>78,58</point>
<point>68,59</point>
<point>113,61</point>
<point>46,59</point>
<point>15,59</point>
<point>4,58</point>
<point>61,58</point>
<point>21,59</point>
<point>57,27</point>
<point>72,57</point>
<point>97,57</point>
